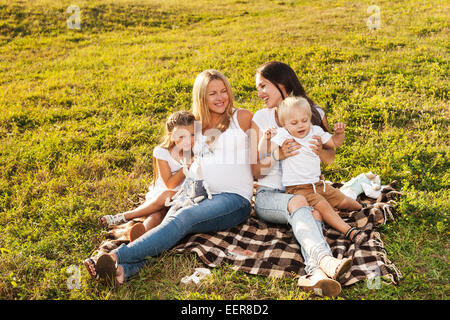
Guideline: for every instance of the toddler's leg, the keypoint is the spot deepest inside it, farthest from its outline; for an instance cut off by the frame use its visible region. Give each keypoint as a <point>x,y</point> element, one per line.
<point>349,204</point>
<point>331,217</point>
<point>334,220</point>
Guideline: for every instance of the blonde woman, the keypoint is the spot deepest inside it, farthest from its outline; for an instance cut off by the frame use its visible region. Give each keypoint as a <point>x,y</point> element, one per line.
<point>222,147</point>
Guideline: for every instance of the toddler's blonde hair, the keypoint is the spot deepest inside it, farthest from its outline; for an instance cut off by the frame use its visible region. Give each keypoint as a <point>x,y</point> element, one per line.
<point>288,104</point>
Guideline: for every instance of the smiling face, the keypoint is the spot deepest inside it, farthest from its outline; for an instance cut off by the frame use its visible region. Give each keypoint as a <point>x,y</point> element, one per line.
<point>217,97</point>
<point>183,137</point>
<point>268,92</point>
<point>298,122</point>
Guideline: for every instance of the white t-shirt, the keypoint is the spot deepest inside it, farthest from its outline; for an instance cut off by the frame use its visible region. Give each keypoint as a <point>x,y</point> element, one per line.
<point>265,119</point>
<point>226,168</point>
<point>162,154</point>
<point>304,167</point>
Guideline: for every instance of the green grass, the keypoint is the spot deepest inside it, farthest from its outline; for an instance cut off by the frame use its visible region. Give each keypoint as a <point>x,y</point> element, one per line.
<point>81,111</point>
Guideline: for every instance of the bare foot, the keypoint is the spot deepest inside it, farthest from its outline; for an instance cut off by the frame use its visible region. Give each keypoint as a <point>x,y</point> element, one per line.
<point>90,266</point>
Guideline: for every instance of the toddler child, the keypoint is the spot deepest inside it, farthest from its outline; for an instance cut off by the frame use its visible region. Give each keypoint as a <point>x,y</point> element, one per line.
<point>301,173</point>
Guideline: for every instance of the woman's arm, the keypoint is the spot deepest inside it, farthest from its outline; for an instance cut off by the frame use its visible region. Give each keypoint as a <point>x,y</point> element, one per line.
<point>245,119</point>
<point>171,181</point>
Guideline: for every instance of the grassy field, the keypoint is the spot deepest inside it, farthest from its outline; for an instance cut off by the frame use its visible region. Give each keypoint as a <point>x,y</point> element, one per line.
<point>81,111</point>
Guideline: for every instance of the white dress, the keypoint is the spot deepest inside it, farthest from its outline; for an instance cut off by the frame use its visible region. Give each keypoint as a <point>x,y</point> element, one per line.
<point>159,186</point>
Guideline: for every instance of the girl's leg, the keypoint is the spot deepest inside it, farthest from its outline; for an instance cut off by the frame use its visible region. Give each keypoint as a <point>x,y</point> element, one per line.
<point>154,220</point>
<point>149,223</point>
<point>145,209</point>
<point>221,212</point>
<point>149,207</point>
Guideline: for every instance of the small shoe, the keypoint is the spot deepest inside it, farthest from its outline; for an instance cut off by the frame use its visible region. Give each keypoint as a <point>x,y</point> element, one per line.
<point>320,284</point>
<point>359,236</point>
<point>335,268</point>
<point>136,231</point>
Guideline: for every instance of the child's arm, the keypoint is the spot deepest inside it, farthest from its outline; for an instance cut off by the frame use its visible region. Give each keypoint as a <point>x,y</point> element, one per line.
<point>171,181</point>
<point>260,162</point>
<point>337,139</point>
<point>265,145</point>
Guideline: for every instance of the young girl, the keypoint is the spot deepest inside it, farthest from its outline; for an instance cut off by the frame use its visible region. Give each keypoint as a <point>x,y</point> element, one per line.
<point>177,144</point>
<point>301,173</point>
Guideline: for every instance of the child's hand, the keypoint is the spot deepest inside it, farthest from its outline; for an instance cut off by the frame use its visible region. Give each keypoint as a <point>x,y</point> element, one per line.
<point>270,133</point>
<point>339,128</point>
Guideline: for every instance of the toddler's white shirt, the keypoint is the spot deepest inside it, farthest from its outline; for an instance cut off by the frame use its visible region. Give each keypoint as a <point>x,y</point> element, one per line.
<point>304,167</point>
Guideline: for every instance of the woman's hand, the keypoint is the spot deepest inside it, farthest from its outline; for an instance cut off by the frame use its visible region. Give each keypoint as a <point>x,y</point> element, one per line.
<point>288,149</point>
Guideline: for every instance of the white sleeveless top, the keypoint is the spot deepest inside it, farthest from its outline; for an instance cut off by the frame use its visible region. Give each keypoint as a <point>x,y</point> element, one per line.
<point>226,168</point>
<point>265,119</point>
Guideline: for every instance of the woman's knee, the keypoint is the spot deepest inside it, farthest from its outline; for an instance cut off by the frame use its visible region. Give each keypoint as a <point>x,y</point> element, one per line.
<point>296,202</point>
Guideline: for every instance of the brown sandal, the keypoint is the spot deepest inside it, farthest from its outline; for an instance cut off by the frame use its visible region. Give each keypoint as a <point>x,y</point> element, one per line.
<point>358,232</point>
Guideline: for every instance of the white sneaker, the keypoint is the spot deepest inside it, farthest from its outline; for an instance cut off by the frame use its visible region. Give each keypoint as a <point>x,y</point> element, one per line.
<point>334,268</point>
<point>320,284</point>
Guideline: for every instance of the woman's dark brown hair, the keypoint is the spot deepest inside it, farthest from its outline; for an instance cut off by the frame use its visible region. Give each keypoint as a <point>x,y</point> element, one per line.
<point>279,73</point>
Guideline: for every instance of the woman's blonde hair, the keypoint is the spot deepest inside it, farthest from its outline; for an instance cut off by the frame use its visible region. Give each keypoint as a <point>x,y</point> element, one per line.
<point>177,119</point>
<point>286,106</point>
<point>199,102</point>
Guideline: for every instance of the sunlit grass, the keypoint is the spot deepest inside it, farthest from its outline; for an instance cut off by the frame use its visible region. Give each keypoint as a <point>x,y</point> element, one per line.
<point>81,111</point>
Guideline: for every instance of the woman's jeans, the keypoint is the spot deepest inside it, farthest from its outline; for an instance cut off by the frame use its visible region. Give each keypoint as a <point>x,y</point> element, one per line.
<point>223,211</point>
<point>271,205</point>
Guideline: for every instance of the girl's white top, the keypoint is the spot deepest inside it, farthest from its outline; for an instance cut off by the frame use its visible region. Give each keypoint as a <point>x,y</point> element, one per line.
<point>304,167</point>
<point>226,163</point>
<point>265,119</point>
<point>162,154</point>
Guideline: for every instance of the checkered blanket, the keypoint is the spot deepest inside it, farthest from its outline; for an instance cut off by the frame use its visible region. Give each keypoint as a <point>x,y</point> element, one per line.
<point>259,248</point>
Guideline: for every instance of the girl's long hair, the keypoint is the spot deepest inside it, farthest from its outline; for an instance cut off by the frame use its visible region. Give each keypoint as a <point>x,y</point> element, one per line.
<point>199,100</point>
<point>279,73</point>
<point>179,118</point>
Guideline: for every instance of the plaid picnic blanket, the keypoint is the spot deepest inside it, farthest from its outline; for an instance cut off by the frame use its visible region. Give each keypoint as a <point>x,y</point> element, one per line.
<point>260,248</point>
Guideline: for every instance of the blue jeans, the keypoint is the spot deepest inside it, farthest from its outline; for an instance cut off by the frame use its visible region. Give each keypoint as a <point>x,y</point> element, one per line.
<point>223,211</point>
<point>271,205</point>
